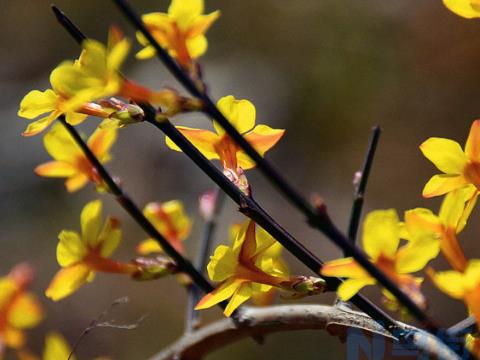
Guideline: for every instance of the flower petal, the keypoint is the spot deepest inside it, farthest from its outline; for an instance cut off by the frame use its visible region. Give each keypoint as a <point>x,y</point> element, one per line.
<point>67,281</point>
<point>36,103</point>
<point>243,293</point>
<point>350,287</point>
<point>184,11</point>
<point>55,169</point>
<point>222,292</point>
<point>201,24</point>
<point>60,145</point>
<point>450,282</point>
<point>345,267</point>
<point>240,113</point>
<point>203,140</point>
<point>472,146</point>
<point>90,219</point>
<point>110,237</point>
<point>76,182</point>
<point>222,263</point>
<point>381,233</point>
<point>445,154</point>
<point>70,248</point>
<point>416,254</point>
<point>39,125</point>
<point>197,46</point>
<point>442,184</point>
<point>56,348</point>
<point>453,207</point>
<point>75,118</point>
<point>26,312</point>
<point>101,141</point>
<point>462,8</point>
<point>149,246</point>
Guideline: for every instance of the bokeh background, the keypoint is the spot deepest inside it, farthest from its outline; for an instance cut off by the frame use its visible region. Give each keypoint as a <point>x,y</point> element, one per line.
<point>326,71</point>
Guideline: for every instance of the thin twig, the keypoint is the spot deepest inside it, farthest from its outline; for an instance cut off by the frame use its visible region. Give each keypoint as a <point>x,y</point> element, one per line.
<point>361,184</point>
<point>98,322</point>
<point>192,316</point>
<point>316,218</point>
<point>464,327</point>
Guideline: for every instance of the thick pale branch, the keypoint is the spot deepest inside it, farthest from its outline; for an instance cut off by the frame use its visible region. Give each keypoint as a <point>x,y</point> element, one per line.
<point>259,322</point>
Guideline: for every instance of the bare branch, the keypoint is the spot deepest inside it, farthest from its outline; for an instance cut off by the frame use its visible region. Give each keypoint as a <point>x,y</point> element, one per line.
<point>258,322</point>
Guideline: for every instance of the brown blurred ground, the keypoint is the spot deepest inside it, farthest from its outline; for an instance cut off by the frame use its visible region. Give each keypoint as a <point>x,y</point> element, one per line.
<point>324,70</point>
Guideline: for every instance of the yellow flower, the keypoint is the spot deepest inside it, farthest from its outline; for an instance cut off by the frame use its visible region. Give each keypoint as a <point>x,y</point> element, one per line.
<point>462,285</point>
<point>181,31</point>
<point>381,238</point>
<point>95,74</point>
<point>80,256</point>
<point>241,114</point>
<point>69,160</point>
<point>443,229</point>
<point>171,221</point>
<point>460,167</point>
<point>56,347</point>
<point>243,269</point>
<point>466,8</point>
<point>19,309</point>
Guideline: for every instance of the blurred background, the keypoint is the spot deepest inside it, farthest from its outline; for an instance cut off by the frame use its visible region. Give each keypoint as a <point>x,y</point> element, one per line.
<point>326,71</point>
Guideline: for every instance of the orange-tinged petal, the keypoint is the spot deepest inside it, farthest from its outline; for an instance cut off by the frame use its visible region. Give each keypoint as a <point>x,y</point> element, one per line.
<point>36,103</point>
<point>243,293</point>
<point>263,137</point>
<point>350,287</point>
<point>346,267</point>
<point>381,233</point>
<point>201,24</point>
<point>240,113</point>
<point>76,182</point>
<point>13,338</point>
<point>26,312</point>
<point>67,281</point>
<point>472,146</point>
<point>463,8</point>
<point>56,169</point>
<point>445,154</point>
<point>203,140</point>
<point>442,184</point>
<point>223,292</point>
<point>452,250</point>
<point>56,348</point>
<point>101,141</point>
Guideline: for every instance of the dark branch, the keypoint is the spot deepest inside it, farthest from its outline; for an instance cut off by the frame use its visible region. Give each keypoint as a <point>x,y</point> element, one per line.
<point>361,184</point>
<point>192,316</point>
